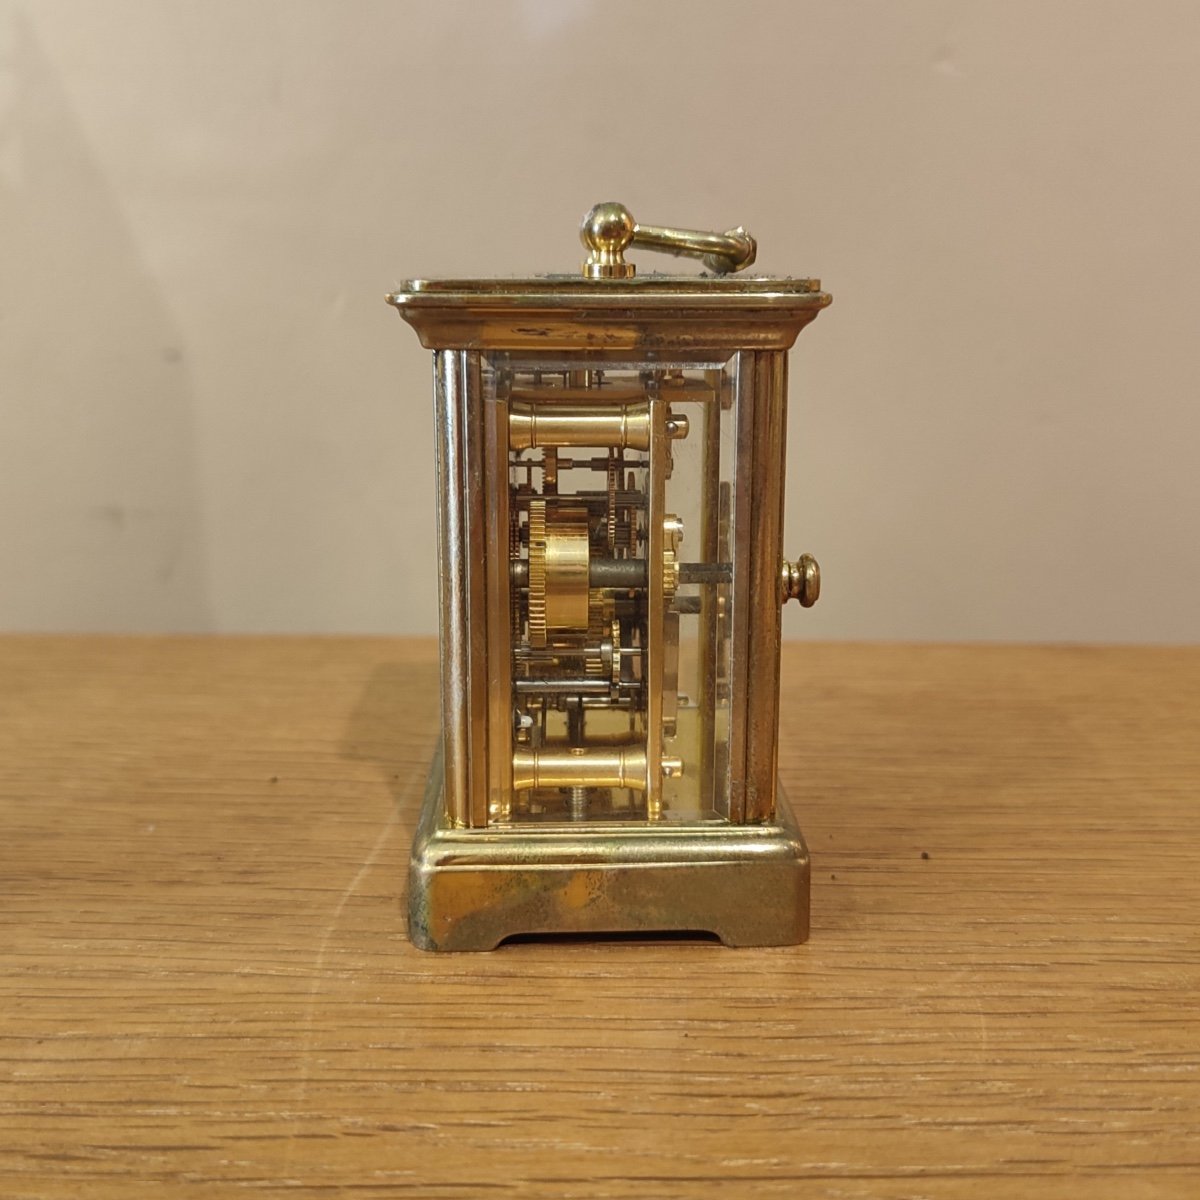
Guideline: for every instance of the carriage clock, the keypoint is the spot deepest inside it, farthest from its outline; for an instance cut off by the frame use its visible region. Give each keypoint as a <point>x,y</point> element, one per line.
<point>610,469</point>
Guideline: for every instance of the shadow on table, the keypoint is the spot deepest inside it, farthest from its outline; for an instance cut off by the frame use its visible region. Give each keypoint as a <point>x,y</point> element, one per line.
<point>387,730</point>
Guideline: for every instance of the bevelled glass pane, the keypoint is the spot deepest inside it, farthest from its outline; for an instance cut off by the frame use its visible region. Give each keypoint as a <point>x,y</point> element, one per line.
<point>620,479</point>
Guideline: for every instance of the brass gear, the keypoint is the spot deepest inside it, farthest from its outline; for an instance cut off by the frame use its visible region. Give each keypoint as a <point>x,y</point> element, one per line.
<point>559,556</point>
<point>614,483</point>
<point>600,625</point>
<point>537,572</point>
<point>631,524</point>
<point>670,575</point>
<point>672,536</point>
<point>514,553</point>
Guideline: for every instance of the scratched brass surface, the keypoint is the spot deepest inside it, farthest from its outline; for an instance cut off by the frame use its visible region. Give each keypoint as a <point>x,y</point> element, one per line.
<point>470,889</point>
<point>681,316</point>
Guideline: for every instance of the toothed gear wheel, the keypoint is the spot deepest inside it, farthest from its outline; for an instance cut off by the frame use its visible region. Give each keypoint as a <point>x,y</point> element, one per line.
<point>614,482</point>
<point>670,575</point>
<point>537,573</point>
<point>593,664</point>
<point>514,553</point>
<point>672,536</point>
<point>631,521</point>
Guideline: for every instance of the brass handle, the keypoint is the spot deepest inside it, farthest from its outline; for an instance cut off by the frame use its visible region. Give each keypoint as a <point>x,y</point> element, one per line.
<point>609,230</point>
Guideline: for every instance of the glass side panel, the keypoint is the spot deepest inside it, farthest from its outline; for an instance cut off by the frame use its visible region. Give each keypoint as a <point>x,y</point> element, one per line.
<point>620,480</point>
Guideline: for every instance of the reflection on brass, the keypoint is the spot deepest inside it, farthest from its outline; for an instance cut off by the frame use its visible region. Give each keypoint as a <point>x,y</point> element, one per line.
<point>576,766</point>
<point>672,537</point>
<point>701,319</point>
<point>557,569</point>
<point>678,425</point>
<point>623,573</point>
<point>748,884</point>
<point>801,580</point>
<point>535,571</point>
<point>609,229</point>
<point>625,426</point>
<point>606,232</point>
<point>610,710</point>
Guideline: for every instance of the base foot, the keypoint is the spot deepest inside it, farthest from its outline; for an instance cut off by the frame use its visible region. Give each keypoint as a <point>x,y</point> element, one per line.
<point>469,889</point>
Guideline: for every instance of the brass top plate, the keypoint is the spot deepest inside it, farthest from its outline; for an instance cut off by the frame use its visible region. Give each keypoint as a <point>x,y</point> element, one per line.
<point>647,313</point>
<point>650,289</point>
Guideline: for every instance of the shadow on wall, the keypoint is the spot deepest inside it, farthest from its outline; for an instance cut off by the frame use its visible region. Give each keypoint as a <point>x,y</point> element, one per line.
<point>99,505</point>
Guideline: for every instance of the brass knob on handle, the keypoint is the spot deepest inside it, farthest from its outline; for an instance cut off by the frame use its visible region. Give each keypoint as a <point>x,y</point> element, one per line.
<point>609,230</point>
<point>800,580</point>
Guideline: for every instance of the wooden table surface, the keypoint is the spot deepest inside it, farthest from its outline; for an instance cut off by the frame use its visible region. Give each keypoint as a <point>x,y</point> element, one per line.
<point>206,988</point>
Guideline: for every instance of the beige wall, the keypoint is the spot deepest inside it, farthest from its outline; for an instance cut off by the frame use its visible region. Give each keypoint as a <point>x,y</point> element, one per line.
<point>211,421</point>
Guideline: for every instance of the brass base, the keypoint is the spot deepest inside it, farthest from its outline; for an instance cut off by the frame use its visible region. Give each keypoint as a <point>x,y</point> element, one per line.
<point>469,889</point>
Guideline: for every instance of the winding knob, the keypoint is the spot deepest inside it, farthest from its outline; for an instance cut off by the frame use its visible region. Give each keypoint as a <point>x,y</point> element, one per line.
<point>800,580</point>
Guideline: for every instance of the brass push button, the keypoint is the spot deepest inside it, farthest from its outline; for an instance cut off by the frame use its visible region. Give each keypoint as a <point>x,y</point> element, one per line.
<point>800,580</point>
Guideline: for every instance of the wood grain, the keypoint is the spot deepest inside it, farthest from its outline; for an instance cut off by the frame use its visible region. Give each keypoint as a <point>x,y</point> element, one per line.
<point>206,990</point>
